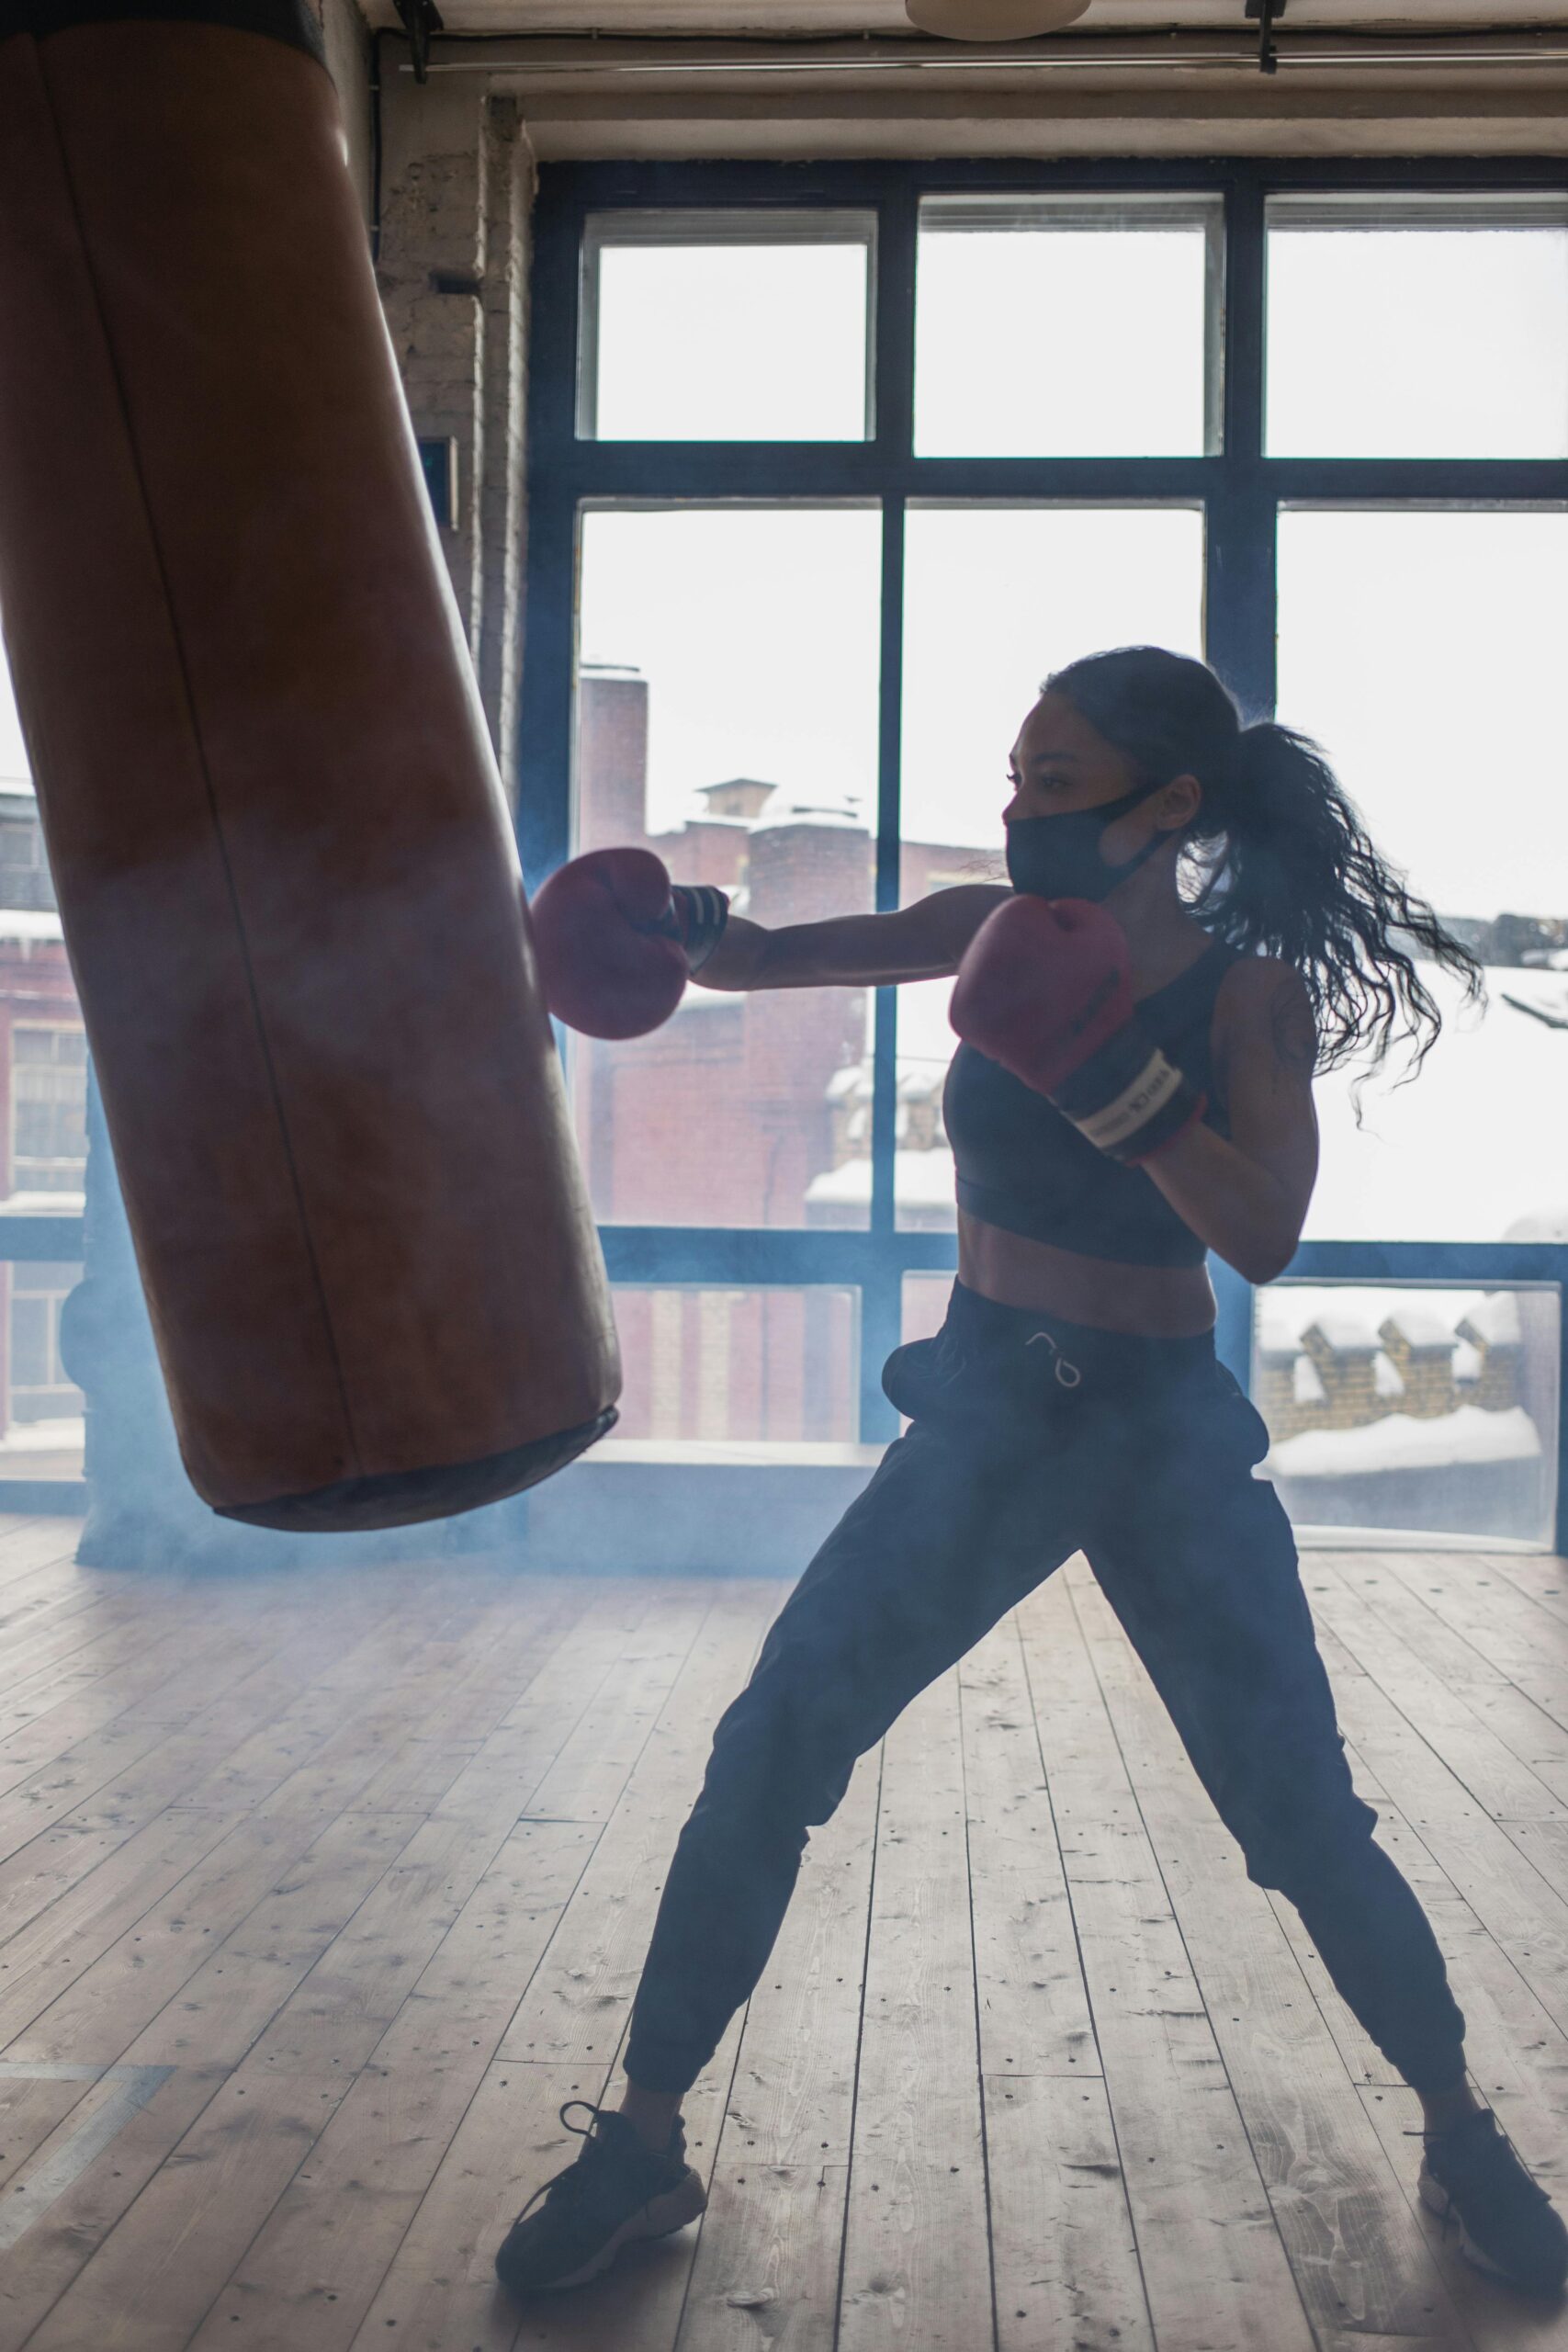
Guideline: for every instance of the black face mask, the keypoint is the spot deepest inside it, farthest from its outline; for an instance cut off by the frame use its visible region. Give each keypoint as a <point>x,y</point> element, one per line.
<point>1058,857</point>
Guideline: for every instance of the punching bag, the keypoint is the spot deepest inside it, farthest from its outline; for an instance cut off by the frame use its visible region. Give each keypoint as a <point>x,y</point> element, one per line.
<point>283,857</point>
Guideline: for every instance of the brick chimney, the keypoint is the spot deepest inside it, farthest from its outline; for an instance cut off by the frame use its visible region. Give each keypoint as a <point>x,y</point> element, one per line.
<point>612,759</point>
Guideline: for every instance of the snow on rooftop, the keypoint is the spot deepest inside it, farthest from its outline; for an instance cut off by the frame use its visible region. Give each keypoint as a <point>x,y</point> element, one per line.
<point>700,999</point>
<point>921,1180</point>
<point>1306,1386</point>
<point>1286,1309</point>
<point>44,1437</point>
<point>915,1081</point>
<point>1496,1317</point>
<point>831,816</point>
<point>1425,1322</point>
<point>29,923</point>
<point>1345,1326</point>
<point>1386,1377</point>
<point>1540,995</point>
<point>1399,1442</point>
<point>42,1204</point>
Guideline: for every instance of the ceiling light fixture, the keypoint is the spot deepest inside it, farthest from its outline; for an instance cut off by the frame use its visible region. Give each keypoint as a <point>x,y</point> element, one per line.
<point>991,20</point>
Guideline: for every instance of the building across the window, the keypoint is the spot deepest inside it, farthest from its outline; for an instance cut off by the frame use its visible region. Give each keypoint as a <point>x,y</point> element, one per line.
<point>43,1147</point>
<point>749,1108</point>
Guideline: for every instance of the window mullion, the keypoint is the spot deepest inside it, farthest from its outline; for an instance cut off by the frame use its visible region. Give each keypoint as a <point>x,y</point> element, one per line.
<point>893,395</point>
<point>885,1047</point>
<point>893,329</point>
<point>1240,589</point>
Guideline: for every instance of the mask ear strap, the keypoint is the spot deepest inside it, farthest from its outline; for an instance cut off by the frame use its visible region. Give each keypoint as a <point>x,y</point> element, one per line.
<point>1130,800</point>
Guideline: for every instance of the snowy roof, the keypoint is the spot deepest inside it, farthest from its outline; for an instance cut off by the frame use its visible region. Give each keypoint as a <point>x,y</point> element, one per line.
<point>1399,1442</point>
<point>1424,1322</point>
<point>700,999</point>
<point>829,816</point>
<point>921,1180</point>
<point>1495,1317</point>
<point>1345,1327</point>
<point>44,1437</point>
<point>1286,1309</point>
<point>1540,995</point>
<point>918,1079</point>
<point>29,923</point>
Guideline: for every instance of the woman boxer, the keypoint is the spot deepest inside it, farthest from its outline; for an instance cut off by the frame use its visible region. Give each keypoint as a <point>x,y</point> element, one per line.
<point>1132,1089</point>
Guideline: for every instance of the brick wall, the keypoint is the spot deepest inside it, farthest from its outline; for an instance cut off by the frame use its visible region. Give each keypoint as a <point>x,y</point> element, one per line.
<point>457,183</point>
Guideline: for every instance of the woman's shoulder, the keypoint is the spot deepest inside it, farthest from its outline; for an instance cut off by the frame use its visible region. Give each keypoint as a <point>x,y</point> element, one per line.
<point>1262,1002</point>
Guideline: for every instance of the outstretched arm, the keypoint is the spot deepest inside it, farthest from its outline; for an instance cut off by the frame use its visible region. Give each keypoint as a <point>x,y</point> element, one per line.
<point>923,942</point>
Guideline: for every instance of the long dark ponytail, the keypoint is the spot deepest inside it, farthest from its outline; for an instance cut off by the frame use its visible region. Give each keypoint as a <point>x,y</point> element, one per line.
<point>1278,859</point>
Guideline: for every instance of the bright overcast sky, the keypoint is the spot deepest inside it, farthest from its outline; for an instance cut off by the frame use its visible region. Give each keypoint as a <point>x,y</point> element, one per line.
<point>1421,649</point>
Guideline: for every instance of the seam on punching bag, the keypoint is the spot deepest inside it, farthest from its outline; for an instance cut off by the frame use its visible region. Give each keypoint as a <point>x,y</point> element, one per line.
<point>189,696</point>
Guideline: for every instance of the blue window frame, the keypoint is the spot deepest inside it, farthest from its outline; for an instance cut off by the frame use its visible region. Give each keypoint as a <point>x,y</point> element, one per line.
<point>1240,489</point>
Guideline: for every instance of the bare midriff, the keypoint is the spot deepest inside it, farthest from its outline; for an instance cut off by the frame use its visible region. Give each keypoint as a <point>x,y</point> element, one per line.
<point>1159,1302</point>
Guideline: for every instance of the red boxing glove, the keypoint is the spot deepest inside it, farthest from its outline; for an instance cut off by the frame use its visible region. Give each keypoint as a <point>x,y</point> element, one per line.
<point>611,961</point>
<point>1046,989</point>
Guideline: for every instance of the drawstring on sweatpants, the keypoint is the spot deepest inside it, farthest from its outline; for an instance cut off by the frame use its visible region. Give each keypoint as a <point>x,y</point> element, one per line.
<point>1067,1374</point>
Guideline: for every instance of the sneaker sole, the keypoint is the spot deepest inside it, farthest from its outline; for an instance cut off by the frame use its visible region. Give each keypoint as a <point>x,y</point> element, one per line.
<point>1435,2198</point>
<point>660,2218</point>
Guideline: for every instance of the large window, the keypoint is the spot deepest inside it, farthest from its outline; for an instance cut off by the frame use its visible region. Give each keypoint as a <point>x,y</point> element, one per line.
<point>837,465</point>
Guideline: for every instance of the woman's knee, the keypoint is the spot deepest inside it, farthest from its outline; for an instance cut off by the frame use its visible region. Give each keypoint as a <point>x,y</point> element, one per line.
<point>781,1756</point>
<point>1308,1845</point>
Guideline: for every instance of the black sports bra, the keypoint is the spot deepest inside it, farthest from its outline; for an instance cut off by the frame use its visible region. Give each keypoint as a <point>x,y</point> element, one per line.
<point>1023,1166</point>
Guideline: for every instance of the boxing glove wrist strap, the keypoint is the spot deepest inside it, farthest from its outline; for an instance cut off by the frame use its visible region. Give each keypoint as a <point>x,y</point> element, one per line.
<point>1127,1098</point>
<point>698,914</point>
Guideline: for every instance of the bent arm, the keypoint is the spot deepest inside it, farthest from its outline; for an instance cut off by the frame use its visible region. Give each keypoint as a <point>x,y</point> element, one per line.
<point>1247,1198</point>
<point>925,941</point>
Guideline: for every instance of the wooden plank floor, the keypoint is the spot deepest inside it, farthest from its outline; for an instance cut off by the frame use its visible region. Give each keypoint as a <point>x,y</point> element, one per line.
<point>319,1895</point>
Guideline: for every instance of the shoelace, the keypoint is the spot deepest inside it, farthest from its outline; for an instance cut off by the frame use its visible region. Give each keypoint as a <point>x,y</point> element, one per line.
<point>570,2181</point>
